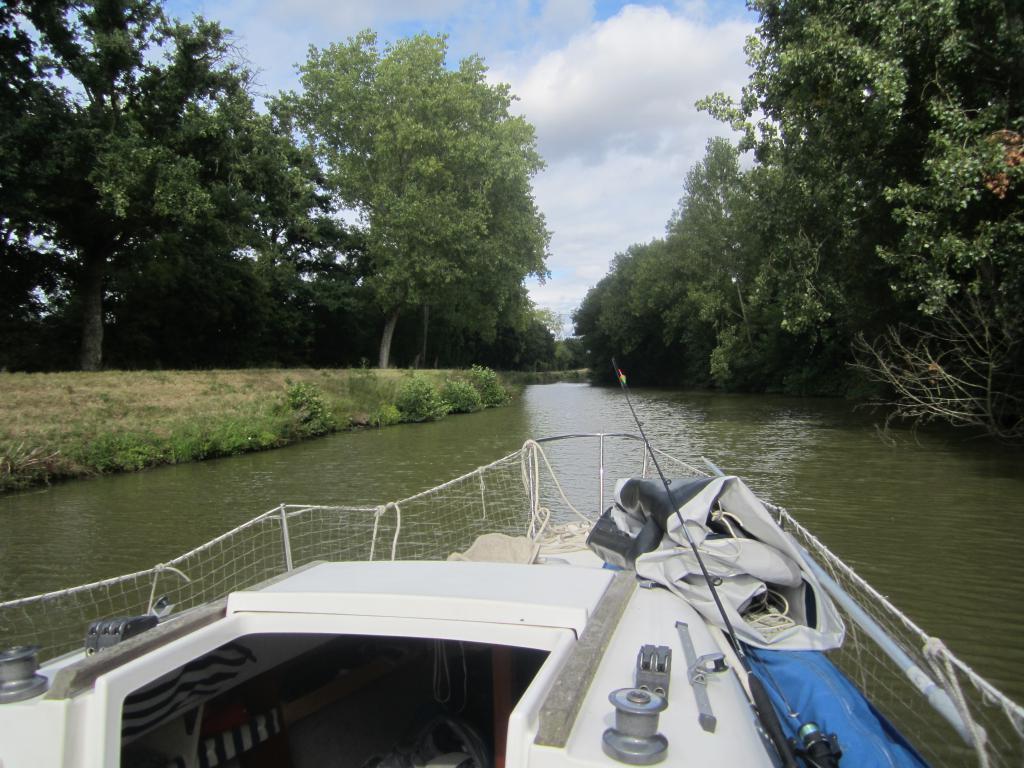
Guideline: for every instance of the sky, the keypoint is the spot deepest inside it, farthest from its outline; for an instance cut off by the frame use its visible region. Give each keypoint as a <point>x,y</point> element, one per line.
<point>609,86</point>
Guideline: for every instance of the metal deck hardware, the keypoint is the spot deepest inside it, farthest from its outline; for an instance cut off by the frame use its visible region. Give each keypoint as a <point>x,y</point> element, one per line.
<point>653,667</point>
<point>698,669</point>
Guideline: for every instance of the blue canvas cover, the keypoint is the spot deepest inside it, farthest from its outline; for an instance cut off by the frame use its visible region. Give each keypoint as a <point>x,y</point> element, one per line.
<point>819,692</point>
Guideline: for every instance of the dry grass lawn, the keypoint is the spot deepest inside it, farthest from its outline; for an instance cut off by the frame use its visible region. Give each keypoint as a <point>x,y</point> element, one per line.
<point>67,424</point>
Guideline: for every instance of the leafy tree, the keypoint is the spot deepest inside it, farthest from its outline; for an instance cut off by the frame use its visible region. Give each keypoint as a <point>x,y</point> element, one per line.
<point>437,169</point>
<point>960,254</point>
<point>31,105</point>
<point>570,354</point>
<point>711,303</point>
<point>884,204</point>
<point>908,133</point>
<point>520,340</point>
<point>147,147</point>
<point>668,306</point>
<point>621,317</point>
<point>833,136</point>
<point>707,267</point>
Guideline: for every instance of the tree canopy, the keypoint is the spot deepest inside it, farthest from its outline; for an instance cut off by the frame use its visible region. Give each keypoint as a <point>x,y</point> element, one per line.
<point>877,232</point>
<point>436,169</point>
<point>154,215</point>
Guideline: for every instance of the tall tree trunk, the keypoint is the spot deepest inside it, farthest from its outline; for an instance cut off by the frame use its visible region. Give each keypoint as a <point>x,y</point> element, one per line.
<point>426,326</point>
<point>385,340</point>
<point>91,287</point>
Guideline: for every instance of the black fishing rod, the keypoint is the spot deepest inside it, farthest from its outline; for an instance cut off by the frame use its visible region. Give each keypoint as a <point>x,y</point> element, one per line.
<point>762,703</point>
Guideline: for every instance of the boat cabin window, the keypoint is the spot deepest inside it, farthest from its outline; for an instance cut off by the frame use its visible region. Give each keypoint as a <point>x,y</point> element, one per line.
<point>348,701</point>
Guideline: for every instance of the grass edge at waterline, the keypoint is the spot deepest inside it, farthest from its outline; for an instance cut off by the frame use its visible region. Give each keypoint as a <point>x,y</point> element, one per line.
<point>59,426</point>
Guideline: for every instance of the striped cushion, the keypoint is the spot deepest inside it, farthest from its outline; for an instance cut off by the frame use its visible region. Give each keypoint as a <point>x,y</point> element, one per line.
<point>217,750</point>
<point>184,689</point>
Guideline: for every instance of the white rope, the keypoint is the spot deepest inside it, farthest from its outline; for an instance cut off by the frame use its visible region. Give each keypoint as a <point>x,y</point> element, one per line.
<point>566,537</point>
<point>379,512</point>
<point>530,470</point>
<point>157,570</point>
<point>398,527</point>
<point>695,471</point>
<point>771,617</point>
<point>483,498</point>
<point>938,656</point>
<point>530,464</point>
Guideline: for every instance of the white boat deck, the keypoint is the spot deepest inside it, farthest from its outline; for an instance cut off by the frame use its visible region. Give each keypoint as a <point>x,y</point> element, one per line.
<point>650,617</point>
<point>514,604</point>
<point>545,606</point>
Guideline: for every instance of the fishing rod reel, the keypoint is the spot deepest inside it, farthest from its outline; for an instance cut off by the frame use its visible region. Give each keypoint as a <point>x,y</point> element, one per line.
<point>815,747</point>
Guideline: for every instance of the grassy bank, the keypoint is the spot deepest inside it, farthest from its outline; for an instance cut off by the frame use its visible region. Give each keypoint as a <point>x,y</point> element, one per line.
<point>64,425</point>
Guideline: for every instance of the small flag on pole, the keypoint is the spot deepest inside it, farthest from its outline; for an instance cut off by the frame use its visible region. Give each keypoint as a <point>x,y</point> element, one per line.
<point>622,376</point>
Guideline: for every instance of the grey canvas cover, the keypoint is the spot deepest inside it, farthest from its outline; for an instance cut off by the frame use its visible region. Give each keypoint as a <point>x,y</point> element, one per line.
<point>756,560</point>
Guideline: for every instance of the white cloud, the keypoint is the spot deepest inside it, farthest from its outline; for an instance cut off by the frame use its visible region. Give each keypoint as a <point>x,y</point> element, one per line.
<point>616,122</point>
<point>560,16</point>
<point>628,84</point>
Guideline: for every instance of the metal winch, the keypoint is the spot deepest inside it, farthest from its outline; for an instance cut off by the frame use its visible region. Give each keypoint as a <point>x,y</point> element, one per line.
<point>18,677</point>
<point>634,739</point>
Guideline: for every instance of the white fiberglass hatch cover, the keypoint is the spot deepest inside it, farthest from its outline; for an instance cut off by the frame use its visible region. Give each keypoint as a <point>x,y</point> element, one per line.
<point>499,593</point>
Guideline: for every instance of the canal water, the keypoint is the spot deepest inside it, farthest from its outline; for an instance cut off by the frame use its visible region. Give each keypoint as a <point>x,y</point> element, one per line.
<point>934,522</point>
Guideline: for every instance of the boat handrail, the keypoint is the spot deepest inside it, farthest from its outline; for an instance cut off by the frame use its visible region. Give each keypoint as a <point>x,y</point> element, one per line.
<point>574,435</point>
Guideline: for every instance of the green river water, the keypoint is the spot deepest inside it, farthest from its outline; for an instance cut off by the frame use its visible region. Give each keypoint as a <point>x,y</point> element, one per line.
<point>933,522</point>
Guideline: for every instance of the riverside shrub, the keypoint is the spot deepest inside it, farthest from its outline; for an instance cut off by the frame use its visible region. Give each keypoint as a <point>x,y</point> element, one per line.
<point>386,415</point>
<point>419,400</point>
<point>461,396</point>
<point>307,404</point>
<point>21,466</point>
<point>485,381</point>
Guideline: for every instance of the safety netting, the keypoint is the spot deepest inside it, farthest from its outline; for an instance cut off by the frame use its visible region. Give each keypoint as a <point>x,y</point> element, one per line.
<point>952,715</point>
<point>549,491</point>
<point>427,526</point>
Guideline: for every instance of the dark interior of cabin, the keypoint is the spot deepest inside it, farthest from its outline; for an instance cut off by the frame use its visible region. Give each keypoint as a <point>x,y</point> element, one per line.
<point>301,701</point>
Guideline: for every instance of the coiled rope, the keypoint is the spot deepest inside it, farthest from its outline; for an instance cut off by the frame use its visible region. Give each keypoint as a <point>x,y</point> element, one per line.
<point>554,538</point>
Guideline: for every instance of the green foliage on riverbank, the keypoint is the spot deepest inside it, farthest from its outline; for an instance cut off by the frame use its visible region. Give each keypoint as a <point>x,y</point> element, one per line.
<point>154,215</point>
<point>461,397</point>
<point>574,376</point>
<point>419,400</point>
<point>56,426</point>
<point>876,239</point>
<point>486,383</point>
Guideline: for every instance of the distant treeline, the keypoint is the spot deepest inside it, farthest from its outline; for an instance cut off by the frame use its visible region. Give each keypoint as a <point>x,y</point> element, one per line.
<point>875,243</point>
<point>152,216</point>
